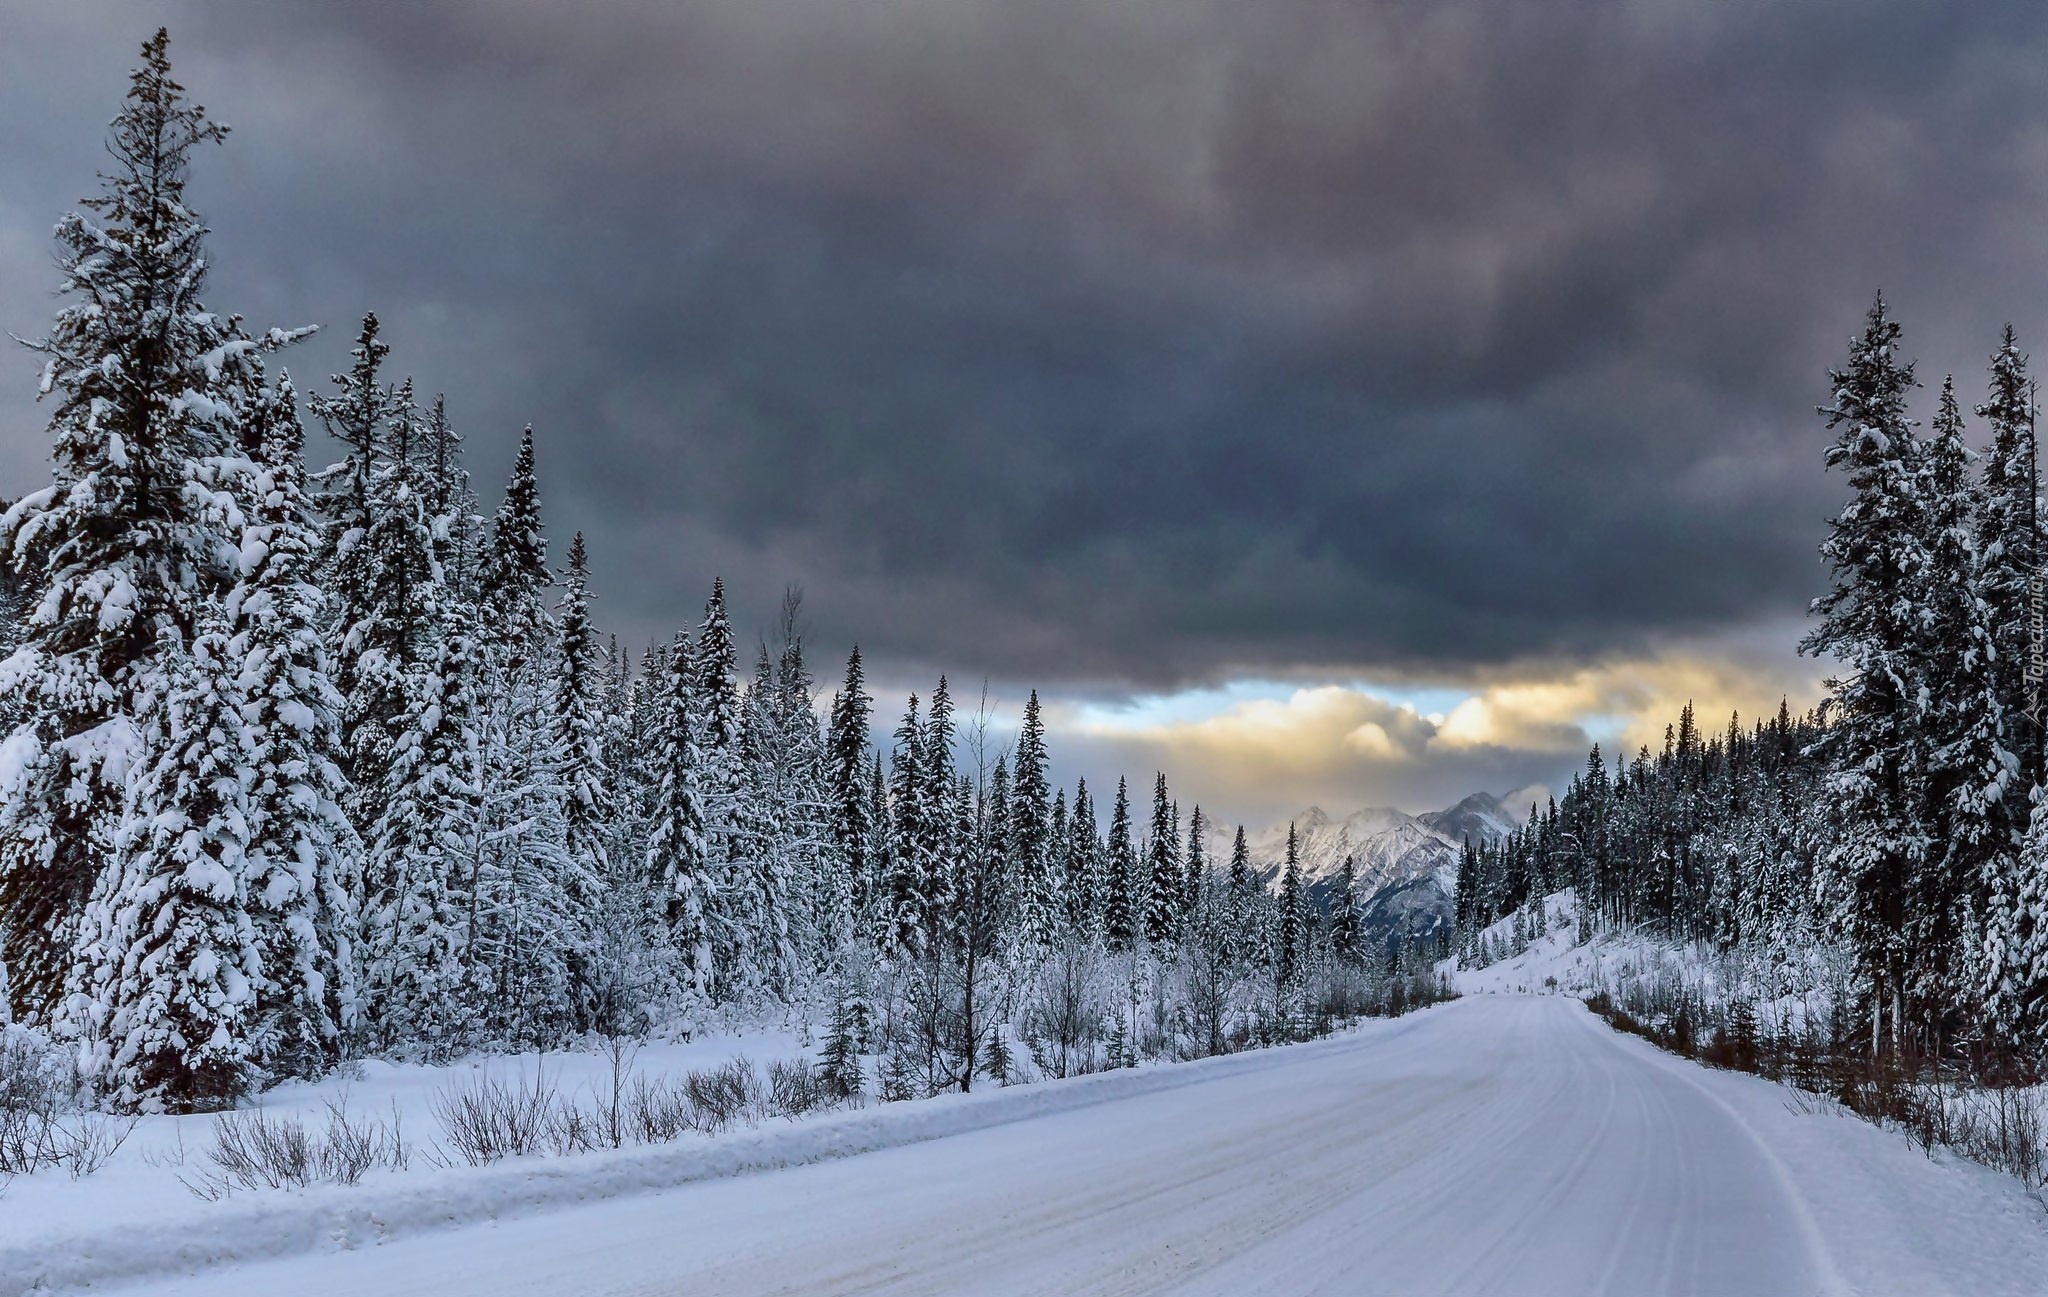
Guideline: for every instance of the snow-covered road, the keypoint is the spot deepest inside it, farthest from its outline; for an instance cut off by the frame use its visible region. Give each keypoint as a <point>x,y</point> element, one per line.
<point>1497,1145</point>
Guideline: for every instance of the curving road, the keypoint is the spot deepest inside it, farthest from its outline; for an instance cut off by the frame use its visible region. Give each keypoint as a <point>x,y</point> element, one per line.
<point>1496,1145</point>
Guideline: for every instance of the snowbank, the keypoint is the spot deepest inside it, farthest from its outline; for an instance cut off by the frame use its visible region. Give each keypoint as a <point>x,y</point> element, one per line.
<point>55,1242</point>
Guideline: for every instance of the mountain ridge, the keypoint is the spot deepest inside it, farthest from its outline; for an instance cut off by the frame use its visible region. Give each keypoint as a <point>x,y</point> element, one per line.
<point>1406,865</point>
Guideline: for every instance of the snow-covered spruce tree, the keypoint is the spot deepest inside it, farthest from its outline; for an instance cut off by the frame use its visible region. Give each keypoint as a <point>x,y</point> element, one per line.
<point>846,755</point>
<point>458,530</point>
<point>877,918</point>
<point>301,850</point>
<point>1972,767</point>
<point>980,888</point>
<point>419,675</point>
<point>1058,835</point>
<point>1347,932</point>
<point>813,880</point>
<point>2008,547</point>
<point>716,724</point>
<point>1163,878</point>
<point>587,808</point>
<point>355,416</point>
<point>580,718</point>
<point>120,557</point>
<point>715,685</point>
<point>1121,923</point>
<point>637,759</point>
<point>753,896</point>
<point>1869,622</point>
<point>424,853</point>
<point>1035,883</point>
<point>899,918</point>
<point>1084,867</point>
<point>1290,936</point>
<point>1468,881</point>
<point>678,861</point>
<point>171,957</point>
<point>521,930</point>
<point>939,839</point>
<point>2012,956</point>
<point>794,904</point>
<point>2016,941</point>
<point>518,933</point>
<point>1244,890</point>
<point>515,570</point>
<point>1197,863</point>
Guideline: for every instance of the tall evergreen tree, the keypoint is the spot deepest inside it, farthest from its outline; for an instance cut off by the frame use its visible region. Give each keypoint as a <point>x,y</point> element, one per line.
<point>1876,551</point>
<point>1290,936</point>
<point>120,556</point>
<point>173,964</point>
<point>940,840</point>
<point>356,416</point>
<point>588,808</point>
<point>846,746</point>
<point>1084,865</point>
<point>1198,862</point>
<point>904,917</point>
<point>412,725</point>
<point>516,570</point>
<point>415,920</point>
<point>301,852</point>
<point>1122,923</point>
<point>678,856</point>
<point>1030,834</point>
<point>1972,767</point>
<point>2008,549</point>
<point>1347,933</point>
<point>2012,957</point>
<point>1162,890</point>
<point>580,721</point>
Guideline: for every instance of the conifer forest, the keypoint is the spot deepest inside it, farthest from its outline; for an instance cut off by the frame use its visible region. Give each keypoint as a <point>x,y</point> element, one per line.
<point>1339,403</point>
<point>306,764</point>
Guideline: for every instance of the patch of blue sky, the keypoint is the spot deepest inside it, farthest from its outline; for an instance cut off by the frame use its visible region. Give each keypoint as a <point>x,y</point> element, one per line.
<point>1145,712</point>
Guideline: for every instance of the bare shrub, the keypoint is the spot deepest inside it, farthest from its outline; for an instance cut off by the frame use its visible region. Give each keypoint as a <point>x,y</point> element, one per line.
<point>353,1145</point>
<point>658,1110</point>
<point>90,1141</point>
<point>795,1088</point>
<point>720,1096</point>
<point>571,1129</point>
<point>256,1150</point>
<point>2001,1126</point>
<point>42,1121</point>
<point>397,1153</point>
<point>486,1119</point>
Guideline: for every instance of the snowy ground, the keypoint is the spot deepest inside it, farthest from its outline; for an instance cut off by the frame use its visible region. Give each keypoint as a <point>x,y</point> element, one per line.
<point>1554,960</point>
<point>49,1214</point>
<point>1501,1144</point>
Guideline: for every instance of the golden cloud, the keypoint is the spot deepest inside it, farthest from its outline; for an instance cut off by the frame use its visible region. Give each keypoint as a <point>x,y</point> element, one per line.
<point>1345,745</point>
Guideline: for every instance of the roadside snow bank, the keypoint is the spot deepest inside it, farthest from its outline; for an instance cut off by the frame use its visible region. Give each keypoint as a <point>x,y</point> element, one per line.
<point>70,1253</point>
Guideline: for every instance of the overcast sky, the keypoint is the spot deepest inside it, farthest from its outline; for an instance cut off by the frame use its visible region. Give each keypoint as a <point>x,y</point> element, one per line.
<point>1339,402</point>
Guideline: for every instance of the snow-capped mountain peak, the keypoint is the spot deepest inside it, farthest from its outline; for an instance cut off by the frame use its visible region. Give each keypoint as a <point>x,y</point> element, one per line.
<point>1407,865</point>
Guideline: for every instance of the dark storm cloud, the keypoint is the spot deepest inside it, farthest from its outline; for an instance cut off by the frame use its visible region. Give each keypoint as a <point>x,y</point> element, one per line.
<point>1106,343</point>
